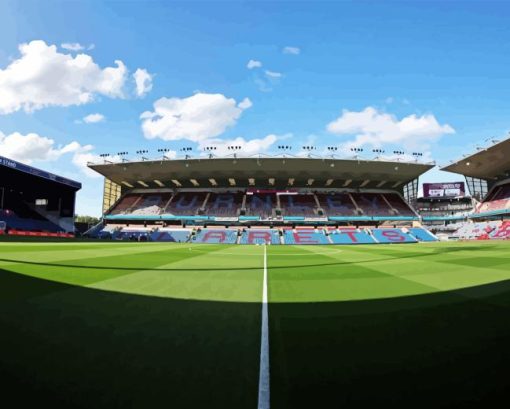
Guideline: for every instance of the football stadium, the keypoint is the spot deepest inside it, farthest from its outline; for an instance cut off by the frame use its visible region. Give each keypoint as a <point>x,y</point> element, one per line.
<point>258,281</point>
<point>276,204</point>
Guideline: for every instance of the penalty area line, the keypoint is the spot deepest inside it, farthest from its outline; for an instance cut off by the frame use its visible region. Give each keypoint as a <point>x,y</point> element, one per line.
<point>263,401</point>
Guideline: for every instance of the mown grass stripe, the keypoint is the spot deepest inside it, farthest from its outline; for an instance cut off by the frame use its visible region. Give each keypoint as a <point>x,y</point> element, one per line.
<point>199,277</point>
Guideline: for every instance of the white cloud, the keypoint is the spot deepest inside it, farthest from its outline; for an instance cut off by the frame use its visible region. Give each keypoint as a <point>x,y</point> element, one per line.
<point>249,147</point>
<point>33,147</point>
<point>94,118</point>
<point>170,154</point>
<point>375,128</point>
<point>77,46</point>
<point>273,74</point>
<point>44,77</point>
<point>196,118</point>
<point>245,104</point>
<point>84,156</point>
<point>72,46</point>
<point>30,147</point>
<point>253,64</point>
<point>291,50</point>
<point>143,82</point>
<point>36,148</point>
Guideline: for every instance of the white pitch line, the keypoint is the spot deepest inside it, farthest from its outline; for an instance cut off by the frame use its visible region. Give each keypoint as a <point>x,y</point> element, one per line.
<point>264,346</point>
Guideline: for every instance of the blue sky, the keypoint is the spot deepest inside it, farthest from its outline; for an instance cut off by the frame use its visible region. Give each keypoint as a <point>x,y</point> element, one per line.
<point>417,76</point>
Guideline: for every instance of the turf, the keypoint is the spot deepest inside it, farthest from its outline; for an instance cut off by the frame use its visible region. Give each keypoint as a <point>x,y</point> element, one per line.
<point>145,324</point>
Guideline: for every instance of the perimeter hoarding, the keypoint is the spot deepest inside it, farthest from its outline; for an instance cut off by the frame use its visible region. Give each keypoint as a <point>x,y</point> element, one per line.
<point>453,189</point>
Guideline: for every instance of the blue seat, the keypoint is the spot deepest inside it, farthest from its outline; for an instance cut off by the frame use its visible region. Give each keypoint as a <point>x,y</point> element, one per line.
<point>422,234</point>
<point>216,236</point>
<point>132,235</point>
<point>351,237</point>
<point>260,236</point>
<point>179,236</point>
<point>392,236</point>
<point>304,236</point>
<point>18,223</point>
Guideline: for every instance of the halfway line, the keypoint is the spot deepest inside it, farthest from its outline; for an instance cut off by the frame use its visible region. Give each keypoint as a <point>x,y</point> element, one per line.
<point>264,345</point>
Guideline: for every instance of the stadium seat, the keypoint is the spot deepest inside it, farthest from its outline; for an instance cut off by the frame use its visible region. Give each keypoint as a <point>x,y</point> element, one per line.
<point>350,236</point>
<point>150,204</point>
<point>373,204</point>
<point>215,236</point>
<point>496,201</point>
<point>470,231</point>
<point>260,204</point>
<point>422,234</point>
<point>298,205</point>
<point>398,204</point>
<point>260,236</point>
<point>224,204</point>
<point>501,232</point>
<point>392,236</point>
<point>124,204</point>
<point>185,203</point>
<point>305,236</point>
<point>171,235</point>
<point>133,233</point>
<point>339,204</point>
<point>13,221</point>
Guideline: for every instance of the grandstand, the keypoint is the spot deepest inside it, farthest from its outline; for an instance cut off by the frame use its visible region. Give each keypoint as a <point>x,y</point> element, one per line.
<point>444,206</point>
<point>304,199</point>
<point>497,201</point>
<point>277,200</point>
<point>34,202</point>
<point>487,173</point>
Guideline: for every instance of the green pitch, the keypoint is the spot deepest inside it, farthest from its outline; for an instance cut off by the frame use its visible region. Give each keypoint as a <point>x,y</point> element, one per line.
<point>145,324</point>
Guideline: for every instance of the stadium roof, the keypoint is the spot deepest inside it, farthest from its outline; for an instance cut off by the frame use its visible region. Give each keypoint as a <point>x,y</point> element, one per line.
<point>9,165</point>
<point>269,172</point>
<point>492,162</point>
